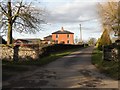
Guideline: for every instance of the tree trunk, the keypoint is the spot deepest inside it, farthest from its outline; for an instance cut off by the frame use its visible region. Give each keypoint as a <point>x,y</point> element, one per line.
<point>9,34</point>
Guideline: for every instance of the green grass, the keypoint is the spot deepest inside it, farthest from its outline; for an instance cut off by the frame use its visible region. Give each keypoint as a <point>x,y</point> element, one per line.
<point>109,68</point>
<point>97,57</point>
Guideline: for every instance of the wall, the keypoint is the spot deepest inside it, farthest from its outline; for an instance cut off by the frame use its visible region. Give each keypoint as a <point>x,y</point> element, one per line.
<point>7,53</point>
<point>33,52</point>
<point>111,52</point>
<point>26,52</point>
<point>63,37</point>
<point>22,53</point>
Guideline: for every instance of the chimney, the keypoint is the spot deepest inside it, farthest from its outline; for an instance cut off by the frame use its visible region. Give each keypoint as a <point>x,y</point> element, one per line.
<point>62,29</point>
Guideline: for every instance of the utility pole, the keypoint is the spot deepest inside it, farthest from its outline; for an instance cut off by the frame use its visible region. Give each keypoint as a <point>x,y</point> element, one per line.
<point>80,34</point>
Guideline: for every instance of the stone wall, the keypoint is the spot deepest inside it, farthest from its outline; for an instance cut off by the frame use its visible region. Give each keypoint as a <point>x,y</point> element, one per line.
<point>20,53</point>
<point>7,53</point>
<point>110,52</point>
<point>25,52</point>
<point>33,52</point>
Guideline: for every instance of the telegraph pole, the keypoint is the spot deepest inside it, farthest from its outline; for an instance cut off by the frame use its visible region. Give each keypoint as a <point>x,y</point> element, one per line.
<point>80,34</point>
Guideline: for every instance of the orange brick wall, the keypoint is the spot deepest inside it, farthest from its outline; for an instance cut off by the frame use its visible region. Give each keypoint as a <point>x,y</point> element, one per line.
<point>63,37</point>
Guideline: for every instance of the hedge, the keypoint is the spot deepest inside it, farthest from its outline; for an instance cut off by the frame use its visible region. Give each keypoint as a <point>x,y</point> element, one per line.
<point>57,47</point>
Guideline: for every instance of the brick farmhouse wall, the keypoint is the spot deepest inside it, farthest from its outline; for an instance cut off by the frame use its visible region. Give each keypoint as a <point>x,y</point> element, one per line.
<point>64,38</point>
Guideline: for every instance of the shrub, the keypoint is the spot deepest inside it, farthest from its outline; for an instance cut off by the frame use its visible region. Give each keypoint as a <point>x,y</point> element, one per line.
<point>104,40</point>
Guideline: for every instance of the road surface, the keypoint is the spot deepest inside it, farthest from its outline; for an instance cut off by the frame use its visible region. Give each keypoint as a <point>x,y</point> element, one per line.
<point>72,71</point>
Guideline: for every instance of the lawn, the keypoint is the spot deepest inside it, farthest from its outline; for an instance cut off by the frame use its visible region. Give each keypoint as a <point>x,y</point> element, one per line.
<point>109,68</point>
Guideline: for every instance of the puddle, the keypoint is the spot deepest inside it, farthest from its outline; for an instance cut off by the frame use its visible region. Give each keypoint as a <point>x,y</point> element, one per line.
<point>85,73</point>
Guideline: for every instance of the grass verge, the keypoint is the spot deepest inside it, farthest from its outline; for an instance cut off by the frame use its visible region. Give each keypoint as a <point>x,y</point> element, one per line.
<point>109,68</point>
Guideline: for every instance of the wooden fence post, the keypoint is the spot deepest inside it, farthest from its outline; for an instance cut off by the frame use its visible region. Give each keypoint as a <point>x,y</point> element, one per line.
<point>15,55</point>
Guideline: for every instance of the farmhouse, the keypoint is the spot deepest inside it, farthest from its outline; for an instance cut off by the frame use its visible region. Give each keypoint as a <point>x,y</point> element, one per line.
<point>47,39</point>
<point>63,37</point>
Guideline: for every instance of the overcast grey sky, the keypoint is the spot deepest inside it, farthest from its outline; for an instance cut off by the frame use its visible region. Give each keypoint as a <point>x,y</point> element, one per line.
<point>69,14</point>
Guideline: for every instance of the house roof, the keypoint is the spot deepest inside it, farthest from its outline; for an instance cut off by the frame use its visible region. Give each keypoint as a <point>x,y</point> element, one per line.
<point>23,40</point>
<point>48,36</point>
<point>27,40</point>
<point>62,31</point>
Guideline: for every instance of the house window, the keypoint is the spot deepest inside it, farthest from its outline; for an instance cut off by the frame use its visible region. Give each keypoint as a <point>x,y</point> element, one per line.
<point>56,35</point>
<point>68,41</point>
<point>68,36</point>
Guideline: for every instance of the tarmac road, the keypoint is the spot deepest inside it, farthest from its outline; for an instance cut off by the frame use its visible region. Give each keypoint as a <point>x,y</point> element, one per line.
<point>72,71</point>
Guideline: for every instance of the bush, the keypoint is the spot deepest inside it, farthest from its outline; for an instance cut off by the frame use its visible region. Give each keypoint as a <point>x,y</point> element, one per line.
<point>104,40</point>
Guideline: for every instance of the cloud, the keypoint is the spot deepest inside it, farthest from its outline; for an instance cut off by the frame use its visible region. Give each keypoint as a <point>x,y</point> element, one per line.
<point>72,1</point>
<point>73,12</point>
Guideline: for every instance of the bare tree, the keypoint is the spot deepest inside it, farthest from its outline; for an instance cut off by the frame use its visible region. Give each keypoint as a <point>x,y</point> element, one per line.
<point>92,41</point>
<point>110,16</point>
<point>19,16</point>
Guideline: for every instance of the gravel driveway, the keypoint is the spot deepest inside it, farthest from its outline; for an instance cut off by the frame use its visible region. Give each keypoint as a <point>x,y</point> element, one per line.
<point>72,71</point>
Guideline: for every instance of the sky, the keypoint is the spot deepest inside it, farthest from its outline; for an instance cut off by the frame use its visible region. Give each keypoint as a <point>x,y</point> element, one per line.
<point>68,14</point>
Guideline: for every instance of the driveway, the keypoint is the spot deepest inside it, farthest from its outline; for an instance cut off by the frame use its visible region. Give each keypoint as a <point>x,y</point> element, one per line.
<point>72,71</point>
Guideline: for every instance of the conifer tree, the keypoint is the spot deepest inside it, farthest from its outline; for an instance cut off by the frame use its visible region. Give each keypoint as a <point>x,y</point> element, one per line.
<point>104,40</point>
